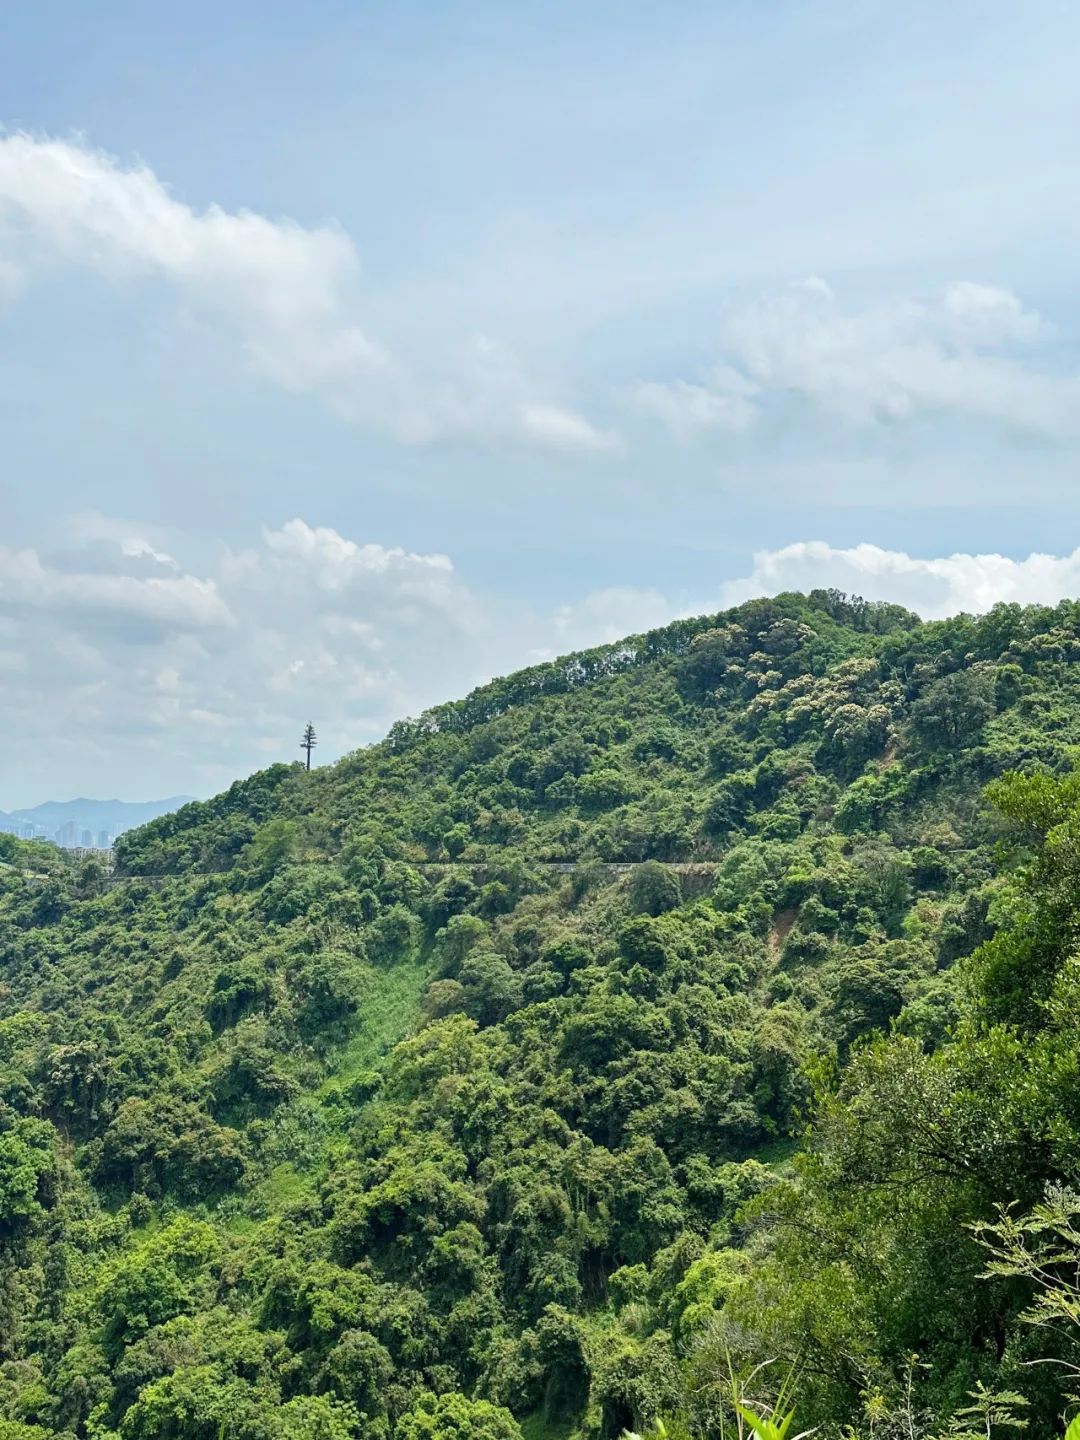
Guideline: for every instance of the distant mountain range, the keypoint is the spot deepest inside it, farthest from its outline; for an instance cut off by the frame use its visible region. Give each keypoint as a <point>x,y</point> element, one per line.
<point>113,816</point>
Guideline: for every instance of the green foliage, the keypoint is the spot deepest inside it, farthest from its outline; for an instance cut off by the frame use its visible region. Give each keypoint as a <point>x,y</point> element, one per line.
<point>27,1172</point>
<point>162,1278</point>
<point>654,889</point>
<point>636,1020</point>
<point>954,708</point>
<point>453,1417</point>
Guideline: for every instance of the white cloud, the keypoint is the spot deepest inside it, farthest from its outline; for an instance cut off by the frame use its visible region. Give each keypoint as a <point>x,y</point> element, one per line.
<point>279,286</point>
<point>987,315</point>
<point>287,295</point>
<point>160,680</point>
<point>132,677</point>
<point>724,403</point>
<point>934,588</point>
<point>559,429</point>
<point>334,560</point>
<point>139,681</point>
<point>958,355</point>
<point>123,601</point>
<point>607,615</point>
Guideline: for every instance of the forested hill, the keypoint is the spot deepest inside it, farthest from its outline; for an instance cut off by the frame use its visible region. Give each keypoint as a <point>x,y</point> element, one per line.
<point>382,1102</point>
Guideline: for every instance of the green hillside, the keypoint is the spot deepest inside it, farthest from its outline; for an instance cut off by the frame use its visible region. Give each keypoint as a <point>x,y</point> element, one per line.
<point>648,1021</point>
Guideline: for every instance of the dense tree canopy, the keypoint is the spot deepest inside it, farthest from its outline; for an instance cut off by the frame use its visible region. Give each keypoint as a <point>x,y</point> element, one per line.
<point>687,1004</point>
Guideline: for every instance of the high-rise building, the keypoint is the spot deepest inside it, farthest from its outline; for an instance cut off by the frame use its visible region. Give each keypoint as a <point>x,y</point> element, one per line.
<point>104,840</point>
<point>67,835</point>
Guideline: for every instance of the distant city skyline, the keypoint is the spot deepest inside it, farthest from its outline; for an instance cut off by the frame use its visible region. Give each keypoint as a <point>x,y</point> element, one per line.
<point>68,836</point>
<point>84,823</point>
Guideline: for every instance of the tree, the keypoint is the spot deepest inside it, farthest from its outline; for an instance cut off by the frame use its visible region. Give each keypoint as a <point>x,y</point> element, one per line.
<point>309,742</point>
<point>955,708</point>
<point>273,845</point>
<point>316,1417</point>
<point>654,889</point>
<point>491,987</point>
<point>454,1417</point>
<point>27,1167</point>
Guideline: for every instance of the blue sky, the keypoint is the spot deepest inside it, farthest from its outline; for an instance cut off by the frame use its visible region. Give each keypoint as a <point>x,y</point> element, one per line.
<point>352,353</point>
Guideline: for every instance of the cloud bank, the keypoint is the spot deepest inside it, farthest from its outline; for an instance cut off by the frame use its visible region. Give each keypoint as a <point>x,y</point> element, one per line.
<point>933,588</point>
<point>137,674</point>
<point>132,669</point>
<point>288,297</point>
<point>960,355</point>
<point>290,300</point>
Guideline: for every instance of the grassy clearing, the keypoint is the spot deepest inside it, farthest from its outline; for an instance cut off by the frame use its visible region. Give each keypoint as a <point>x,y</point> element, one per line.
<point>390,1010</point>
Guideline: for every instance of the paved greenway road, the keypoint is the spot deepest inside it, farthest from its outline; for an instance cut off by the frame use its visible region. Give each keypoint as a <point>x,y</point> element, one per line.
<point>611,868</point>
<point>700,869</point>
